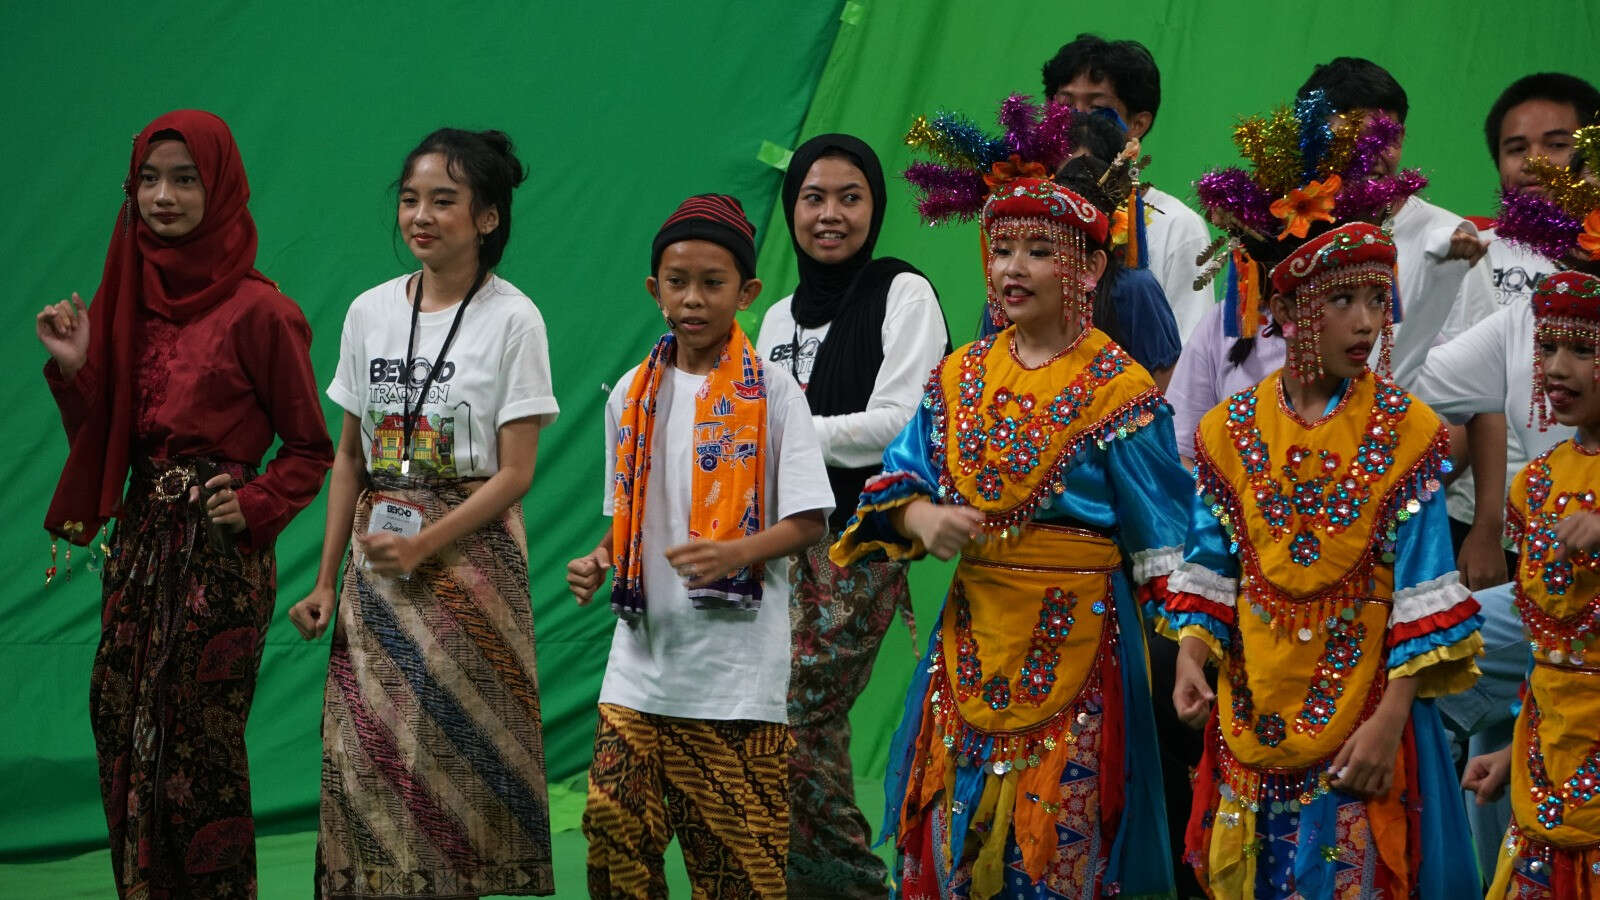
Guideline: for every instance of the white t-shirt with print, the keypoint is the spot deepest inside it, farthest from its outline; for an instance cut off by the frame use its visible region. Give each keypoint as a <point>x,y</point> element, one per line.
<point>1513,270</point>
<point>913,343</point>
<point>721,664</point>
<point>496,370</point>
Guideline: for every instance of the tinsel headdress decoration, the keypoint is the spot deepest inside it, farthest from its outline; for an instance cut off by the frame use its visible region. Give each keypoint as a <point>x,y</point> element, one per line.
<point>1006,181</point>
<point>1302,169</point>
<point>1566,310</point>
<point>1562,220</point>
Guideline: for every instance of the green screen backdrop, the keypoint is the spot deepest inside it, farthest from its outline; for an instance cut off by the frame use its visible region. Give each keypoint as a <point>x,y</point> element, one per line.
<point>620,110</point>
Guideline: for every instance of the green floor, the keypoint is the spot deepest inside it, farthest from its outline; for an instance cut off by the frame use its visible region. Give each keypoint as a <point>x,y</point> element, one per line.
<point>284,861</point>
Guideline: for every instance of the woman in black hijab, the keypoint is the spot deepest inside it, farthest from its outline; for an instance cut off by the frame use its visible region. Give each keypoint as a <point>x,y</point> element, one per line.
<point>860,335</point>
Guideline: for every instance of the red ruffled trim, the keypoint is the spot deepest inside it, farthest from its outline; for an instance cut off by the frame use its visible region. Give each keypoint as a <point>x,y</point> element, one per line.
<point>886,480</point>
<point>1183,601</point>
<point>1439,621</point>
<point>1154,591</point>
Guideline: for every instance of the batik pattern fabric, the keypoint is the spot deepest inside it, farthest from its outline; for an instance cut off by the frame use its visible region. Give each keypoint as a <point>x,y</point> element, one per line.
<point>1025,764</point>
<point>180,645</point>
<point>838,616</point>
<point>720,787</point>
<point>1552,848</point>
<point>433,777</point>
<point>1317,568</point>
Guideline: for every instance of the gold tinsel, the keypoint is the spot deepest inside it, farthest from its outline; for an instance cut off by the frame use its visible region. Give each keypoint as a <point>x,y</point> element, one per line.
<point>1586,145</point>
<point>1337,159</point>
<point>1272,145</point>
<point>1576,195</point>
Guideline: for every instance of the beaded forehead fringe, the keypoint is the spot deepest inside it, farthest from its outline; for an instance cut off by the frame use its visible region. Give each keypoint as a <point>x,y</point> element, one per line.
<point>1071,265</point>
<point>1557,330</point>
<point>1304,360</point>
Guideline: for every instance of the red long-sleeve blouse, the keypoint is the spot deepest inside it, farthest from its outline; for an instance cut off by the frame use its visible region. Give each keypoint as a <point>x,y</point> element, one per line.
<point>223,385</point>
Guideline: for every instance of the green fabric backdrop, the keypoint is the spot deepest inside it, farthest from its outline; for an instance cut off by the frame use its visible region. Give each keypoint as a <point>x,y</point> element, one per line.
<point>620,110</point>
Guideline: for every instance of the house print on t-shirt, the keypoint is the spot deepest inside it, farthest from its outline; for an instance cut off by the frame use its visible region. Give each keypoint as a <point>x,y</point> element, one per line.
<point>432,444</point>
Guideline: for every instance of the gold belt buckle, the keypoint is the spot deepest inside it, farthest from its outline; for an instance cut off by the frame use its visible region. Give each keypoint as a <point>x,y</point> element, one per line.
<point>171,483</point>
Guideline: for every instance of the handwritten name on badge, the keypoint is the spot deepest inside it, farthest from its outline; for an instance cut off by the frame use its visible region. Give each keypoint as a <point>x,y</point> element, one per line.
<point>397,516</point>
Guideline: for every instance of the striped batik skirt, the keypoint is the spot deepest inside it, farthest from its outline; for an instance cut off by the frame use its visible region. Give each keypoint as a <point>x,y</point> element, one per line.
<point>433,781</point>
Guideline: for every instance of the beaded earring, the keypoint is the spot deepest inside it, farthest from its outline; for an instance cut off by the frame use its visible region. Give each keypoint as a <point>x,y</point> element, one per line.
<point>1071,266</point>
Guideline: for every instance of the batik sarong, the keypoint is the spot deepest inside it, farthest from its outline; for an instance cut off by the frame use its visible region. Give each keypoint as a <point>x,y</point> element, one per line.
<point>433,780</point>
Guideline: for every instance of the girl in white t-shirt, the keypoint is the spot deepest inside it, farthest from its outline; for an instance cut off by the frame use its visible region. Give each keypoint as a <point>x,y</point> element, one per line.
<point>433,781</point>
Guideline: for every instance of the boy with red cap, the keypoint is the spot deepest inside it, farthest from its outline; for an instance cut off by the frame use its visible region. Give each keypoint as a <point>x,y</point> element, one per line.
<point>713,477</point>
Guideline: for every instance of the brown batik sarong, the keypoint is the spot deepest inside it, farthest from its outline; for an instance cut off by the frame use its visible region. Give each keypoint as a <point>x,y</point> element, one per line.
<point>720,787</point>
<point>433,780</point>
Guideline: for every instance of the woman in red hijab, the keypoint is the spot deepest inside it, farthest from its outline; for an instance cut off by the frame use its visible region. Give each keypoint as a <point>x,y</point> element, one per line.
<point>180,374</point>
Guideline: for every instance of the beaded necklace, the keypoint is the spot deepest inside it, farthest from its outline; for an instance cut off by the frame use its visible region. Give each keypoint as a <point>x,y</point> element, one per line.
<point>1562,640</point>
<point>1310,504</point>
<point>1002,440</point>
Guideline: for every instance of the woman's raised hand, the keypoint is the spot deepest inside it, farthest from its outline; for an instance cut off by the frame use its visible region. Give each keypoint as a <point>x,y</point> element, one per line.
<point>63,329</point>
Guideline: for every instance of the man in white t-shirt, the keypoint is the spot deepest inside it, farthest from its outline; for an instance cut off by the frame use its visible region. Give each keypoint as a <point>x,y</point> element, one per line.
<point>1486,373</point>
<point>1092,73</point>
<point>1442,291</point>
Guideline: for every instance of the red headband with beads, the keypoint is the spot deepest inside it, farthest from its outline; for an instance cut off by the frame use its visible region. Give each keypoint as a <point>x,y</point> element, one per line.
<point>1566,309</point>
<point>1567,295</point>
<point>1041,198</point>
<point>1348,246</point>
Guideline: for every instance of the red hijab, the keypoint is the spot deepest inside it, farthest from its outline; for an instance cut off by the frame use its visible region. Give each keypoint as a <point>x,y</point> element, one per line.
<point>177,280</point>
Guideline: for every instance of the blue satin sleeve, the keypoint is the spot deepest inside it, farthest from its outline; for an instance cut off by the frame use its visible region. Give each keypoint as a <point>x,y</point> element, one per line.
<point>1149,486</point>
<point>1422,545</point>
<point>1427,592</point>
<point>1206,544</point>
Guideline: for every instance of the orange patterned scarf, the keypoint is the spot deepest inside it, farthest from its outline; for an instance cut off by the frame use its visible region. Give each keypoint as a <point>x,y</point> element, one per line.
<point>730,444</point>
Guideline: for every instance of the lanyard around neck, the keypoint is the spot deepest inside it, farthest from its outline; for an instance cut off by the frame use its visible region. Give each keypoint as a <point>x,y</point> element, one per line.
<point>410,416</point>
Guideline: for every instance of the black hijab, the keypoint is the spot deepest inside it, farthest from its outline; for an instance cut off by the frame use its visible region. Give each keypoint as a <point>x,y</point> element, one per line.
<point>853,295</point>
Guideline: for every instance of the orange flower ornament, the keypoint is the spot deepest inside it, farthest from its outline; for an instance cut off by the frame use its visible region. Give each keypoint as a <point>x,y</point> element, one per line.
<point>1302,206</point>
<point>1589,239</point>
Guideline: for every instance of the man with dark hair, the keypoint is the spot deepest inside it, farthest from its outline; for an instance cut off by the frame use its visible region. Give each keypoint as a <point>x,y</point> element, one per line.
<point>1093,73</point>
<point>1535,116</point>
<point>1485,374</point>
<point>1441,291</point>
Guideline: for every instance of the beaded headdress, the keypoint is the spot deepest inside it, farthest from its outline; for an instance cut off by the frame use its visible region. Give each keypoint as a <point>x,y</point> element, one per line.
<point>1004,181</point>
<point>1352,255</point>
<point>1561,222</point>
<point>1304,169</point>
<point>1566,309</point>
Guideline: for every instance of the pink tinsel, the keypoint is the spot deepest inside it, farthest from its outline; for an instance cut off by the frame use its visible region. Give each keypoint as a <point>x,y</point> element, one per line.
<point>1232,192</point>
<point>947,191</point>
<point>1380,133</point>
<point>1042,138</point>
<point>1373,199</point>
<point>1532,221</point>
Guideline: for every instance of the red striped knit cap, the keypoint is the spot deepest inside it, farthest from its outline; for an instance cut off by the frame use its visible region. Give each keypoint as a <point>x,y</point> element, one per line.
<point>718,218</point>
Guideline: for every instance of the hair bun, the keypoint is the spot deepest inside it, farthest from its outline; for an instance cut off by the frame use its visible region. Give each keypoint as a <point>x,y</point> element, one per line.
<point>500,143</point>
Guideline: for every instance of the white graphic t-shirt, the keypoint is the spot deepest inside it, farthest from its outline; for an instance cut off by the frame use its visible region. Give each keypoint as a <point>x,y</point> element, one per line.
<point>496,370</point>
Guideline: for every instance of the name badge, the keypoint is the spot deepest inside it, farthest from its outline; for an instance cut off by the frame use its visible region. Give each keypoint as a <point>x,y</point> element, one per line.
<point>393,515</point>
<point>398,516</point>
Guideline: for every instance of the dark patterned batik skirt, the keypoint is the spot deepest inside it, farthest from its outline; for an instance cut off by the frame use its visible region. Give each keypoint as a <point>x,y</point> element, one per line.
<point>180,644</point>
<point>838,616</point>
<point>433,778</point>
